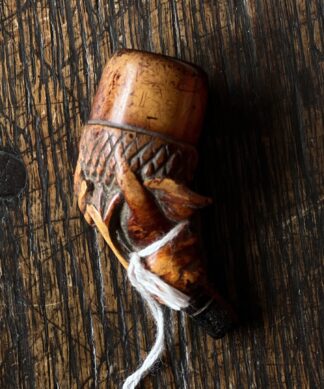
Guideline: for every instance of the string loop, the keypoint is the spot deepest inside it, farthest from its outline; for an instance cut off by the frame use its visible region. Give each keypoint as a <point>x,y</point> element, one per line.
<point>150,287</point>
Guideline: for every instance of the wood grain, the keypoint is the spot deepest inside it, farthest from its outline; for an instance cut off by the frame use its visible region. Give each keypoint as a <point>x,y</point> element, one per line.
<point>68,317</point>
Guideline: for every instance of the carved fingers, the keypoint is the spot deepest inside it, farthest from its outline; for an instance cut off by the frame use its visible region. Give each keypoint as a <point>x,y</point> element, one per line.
<point>145,221</point>
<point>177,201</point>
<point>82,189</point>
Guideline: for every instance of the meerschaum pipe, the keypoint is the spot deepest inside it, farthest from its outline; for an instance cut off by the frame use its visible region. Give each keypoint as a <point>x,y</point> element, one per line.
<point>137,156</point>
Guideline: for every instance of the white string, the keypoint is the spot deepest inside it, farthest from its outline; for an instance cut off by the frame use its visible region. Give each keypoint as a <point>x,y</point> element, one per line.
<point>150,286</point>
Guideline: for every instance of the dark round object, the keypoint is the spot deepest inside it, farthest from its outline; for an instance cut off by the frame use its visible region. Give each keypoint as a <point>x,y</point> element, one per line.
<point>12,175</point>
<point>214,315</point>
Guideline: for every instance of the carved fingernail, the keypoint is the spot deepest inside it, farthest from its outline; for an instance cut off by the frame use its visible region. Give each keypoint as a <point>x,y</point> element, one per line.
<point>12,175</point>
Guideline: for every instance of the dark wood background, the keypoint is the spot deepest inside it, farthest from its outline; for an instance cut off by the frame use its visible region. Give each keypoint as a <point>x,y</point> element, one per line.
<point>68,316</point>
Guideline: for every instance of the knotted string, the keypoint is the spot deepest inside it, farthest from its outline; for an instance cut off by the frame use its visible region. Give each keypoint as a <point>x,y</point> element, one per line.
<point>150,287</point>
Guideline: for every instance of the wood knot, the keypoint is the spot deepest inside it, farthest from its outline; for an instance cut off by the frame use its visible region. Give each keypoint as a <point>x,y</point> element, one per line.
<point>12,175</point>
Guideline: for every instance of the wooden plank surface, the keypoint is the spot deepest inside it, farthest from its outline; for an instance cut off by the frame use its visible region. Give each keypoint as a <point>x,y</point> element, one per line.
<point>68,316</point>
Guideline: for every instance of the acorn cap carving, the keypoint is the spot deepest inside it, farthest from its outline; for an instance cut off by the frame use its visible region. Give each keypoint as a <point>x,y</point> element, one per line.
<point>152,92</point>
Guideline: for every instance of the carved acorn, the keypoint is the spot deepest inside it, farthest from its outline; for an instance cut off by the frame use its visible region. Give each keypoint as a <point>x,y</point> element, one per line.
<point>137,156</point>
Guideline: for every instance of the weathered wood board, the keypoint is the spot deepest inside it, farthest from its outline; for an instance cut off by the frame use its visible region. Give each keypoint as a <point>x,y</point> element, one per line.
<point>68,316</point>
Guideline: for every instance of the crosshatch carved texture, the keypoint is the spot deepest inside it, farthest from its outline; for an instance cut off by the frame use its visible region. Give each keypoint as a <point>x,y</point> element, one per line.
<point>68,318</point>
<point>147,156</point>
